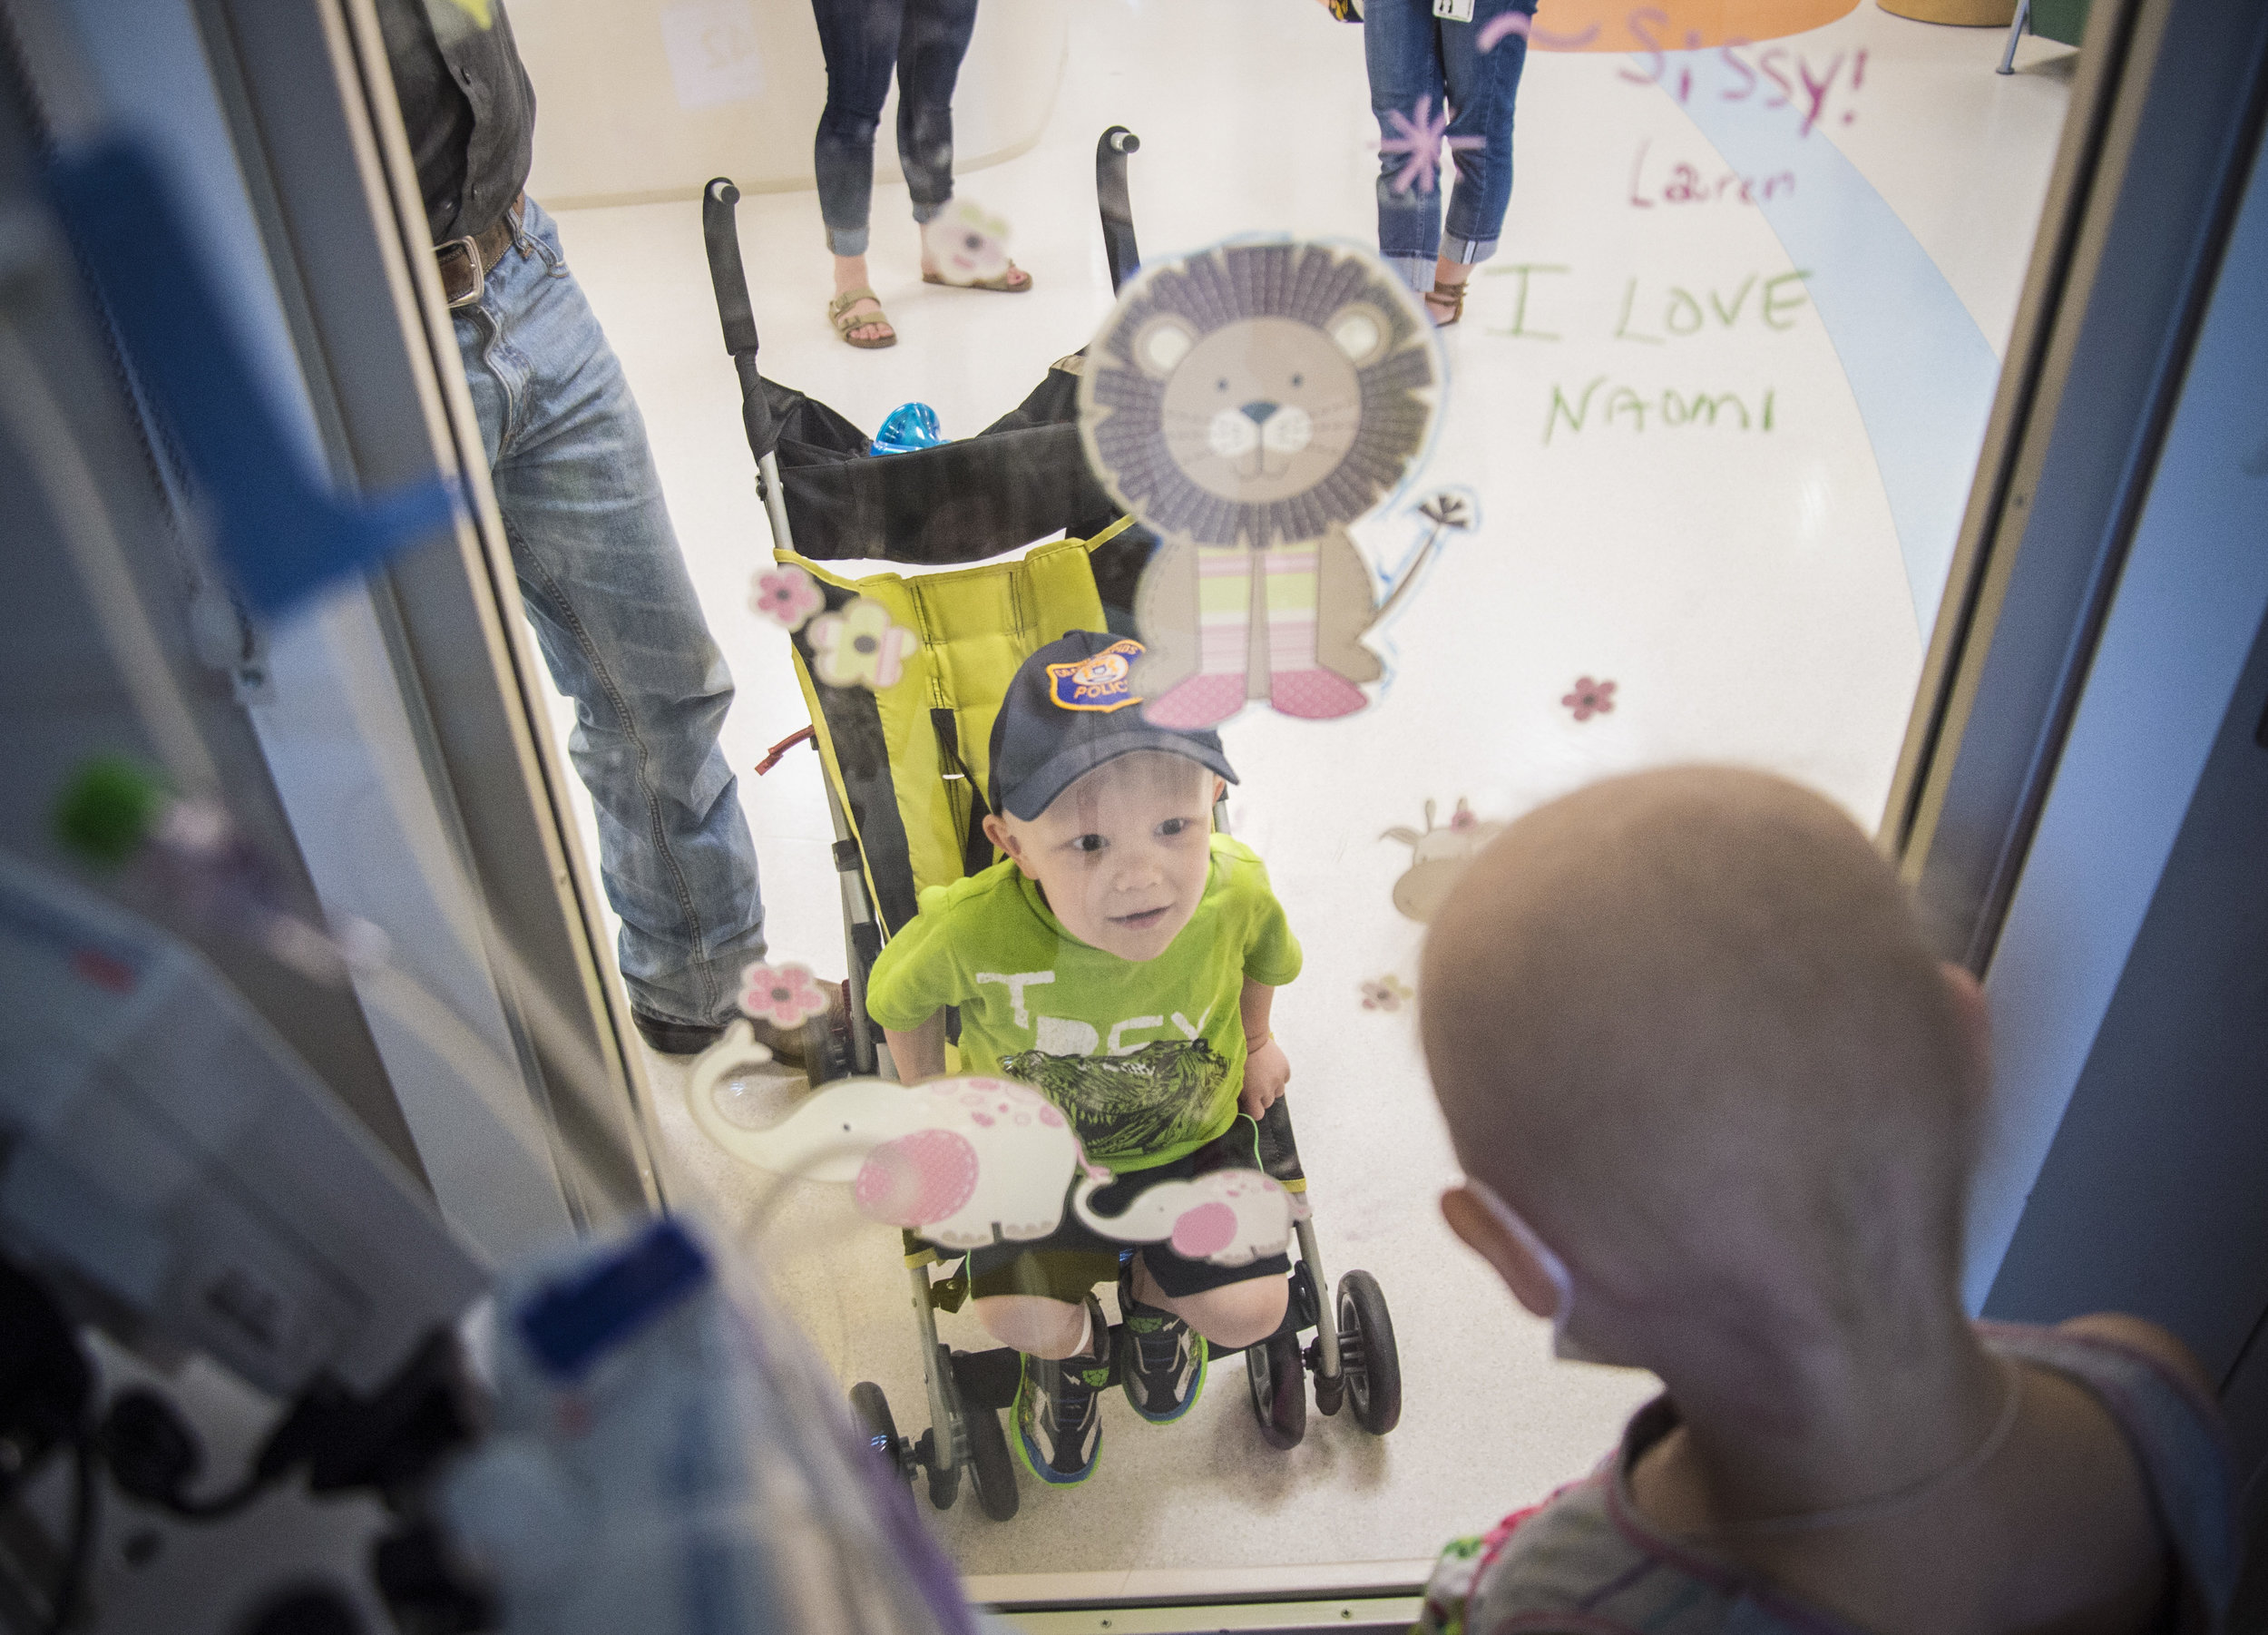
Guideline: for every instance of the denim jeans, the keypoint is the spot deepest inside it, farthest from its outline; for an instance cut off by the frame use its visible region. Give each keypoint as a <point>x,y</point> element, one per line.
<point>615,615</point>
<point>864,40</point>
<point>1413,54</point>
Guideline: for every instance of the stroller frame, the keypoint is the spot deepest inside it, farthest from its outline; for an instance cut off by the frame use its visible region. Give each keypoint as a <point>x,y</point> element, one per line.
<point>1352,1357</point>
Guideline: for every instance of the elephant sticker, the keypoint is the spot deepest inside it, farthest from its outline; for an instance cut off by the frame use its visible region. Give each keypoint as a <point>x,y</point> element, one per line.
<point>1229,1217</point>
<point>963,1163</point>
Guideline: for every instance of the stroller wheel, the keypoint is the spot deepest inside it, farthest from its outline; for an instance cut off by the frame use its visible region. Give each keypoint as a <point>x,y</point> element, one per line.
<point>1279,1390</point>
<point>1367,1356</point>
<point>871,1411</point>
<point>944,1484</point>
<point>992,1467</point>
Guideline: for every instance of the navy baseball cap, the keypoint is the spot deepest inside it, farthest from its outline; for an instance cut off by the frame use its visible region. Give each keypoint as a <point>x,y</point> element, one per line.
<point>1067,711</point>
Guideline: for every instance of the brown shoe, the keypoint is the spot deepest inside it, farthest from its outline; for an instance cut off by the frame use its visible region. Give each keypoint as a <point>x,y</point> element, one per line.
<point>667,1037</point>
<point>1449,298</point>
<point>788,1046</point>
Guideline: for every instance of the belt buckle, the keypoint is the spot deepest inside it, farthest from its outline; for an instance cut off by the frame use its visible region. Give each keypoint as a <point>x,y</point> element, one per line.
<point>470,248</point>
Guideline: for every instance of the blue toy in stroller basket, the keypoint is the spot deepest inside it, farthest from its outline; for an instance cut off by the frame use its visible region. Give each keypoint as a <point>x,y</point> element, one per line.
<point>904,751</point>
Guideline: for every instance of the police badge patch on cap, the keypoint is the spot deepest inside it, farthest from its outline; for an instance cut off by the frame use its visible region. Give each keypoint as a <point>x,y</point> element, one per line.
<point>1098,683</point>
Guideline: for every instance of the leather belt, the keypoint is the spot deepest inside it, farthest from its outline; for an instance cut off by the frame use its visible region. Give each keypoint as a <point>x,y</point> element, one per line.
<point>466,262</point>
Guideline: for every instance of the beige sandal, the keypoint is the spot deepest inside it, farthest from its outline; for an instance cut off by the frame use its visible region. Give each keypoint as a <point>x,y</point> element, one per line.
<point>1453,295</point>
<point>839,313</point>
<point>1005,283</point>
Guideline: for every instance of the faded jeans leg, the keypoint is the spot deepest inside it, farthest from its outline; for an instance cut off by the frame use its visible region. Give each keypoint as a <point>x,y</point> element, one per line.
<point>620,628</point>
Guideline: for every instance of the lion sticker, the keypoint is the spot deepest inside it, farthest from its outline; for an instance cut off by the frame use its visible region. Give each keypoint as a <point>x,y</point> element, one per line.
<point>1248,403</point>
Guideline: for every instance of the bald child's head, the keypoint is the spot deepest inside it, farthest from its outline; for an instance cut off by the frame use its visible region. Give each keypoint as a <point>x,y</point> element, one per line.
<point>1686,1024</point>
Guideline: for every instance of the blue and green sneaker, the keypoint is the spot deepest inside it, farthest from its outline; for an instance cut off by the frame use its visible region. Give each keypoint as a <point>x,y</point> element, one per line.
<point>1059,1409</point>
<point>1163,1368</point>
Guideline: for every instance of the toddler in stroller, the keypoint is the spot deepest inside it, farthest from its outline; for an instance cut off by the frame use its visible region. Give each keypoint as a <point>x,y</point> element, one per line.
<point>1122,958</point>
<point>907,765</point>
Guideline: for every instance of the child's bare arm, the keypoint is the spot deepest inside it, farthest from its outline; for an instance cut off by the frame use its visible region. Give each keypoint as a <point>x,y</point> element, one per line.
<point>1266,1068</point>
<point>921,1053</point>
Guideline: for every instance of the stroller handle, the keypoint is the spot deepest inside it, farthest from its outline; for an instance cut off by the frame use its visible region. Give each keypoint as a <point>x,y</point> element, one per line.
<point>1117,205</point>
<point>721,233</point>
<point>725,274</point>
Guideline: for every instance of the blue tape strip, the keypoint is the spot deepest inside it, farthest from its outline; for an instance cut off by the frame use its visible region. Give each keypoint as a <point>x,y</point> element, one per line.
<point>281,533</point>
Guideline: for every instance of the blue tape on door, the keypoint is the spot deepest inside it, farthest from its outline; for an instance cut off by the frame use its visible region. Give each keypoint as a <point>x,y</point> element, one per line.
<point>282,535</point>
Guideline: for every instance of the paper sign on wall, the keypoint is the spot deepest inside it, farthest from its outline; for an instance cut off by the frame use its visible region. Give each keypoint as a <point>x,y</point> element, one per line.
<point>712,52</point>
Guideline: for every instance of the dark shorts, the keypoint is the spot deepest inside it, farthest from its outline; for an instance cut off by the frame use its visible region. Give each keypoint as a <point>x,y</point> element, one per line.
<point>1074,1259</point>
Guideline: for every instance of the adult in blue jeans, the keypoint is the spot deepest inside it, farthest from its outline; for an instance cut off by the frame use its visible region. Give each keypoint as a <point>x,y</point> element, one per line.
<point>1423,66</point>
<point>598,563</point>
<point>865,42</point>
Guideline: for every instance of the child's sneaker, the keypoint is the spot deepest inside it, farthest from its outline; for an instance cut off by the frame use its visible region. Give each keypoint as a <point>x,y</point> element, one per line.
<point>1059,1408</point>
<point>1163,1369</point>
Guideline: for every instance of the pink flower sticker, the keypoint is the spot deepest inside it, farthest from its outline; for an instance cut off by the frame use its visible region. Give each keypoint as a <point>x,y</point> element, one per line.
<point>1419,142</point>
<point>859,646</point>
<point>787,996</point>
<point>788,595</point>
<point>1590,697</point>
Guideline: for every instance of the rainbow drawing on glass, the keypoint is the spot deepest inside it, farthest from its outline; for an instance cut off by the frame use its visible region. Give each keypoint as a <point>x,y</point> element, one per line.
<point>1492,34</point>
<point>1437,856</point>
<point>967,244</point>
<point>967,1162</point>
<point>1688,27</point>
<point>787,996</point>
<point>859,645</point>
<point>1590,697</point>
<point>788,596</point>
<point>1387,993</point>
<point>1420,136</point>
<point>1249,403</point>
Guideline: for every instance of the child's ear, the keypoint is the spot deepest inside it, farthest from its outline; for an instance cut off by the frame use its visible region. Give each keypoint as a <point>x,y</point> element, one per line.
<point>997,831</point>
<point>1486,1237</point>
<point>1975,1017</point>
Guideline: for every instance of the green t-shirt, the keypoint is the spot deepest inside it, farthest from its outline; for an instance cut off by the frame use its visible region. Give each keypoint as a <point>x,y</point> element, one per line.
<point>1146,1059</point>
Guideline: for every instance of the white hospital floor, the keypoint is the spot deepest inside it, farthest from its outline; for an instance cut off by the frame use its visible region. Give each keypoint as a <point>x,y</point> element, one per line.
<point>1756,595</point>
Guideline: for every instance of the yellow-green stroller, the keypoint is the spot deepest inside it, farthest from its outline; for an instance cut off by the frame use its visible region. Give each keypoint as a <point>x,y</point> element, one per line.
<point>904,751</point>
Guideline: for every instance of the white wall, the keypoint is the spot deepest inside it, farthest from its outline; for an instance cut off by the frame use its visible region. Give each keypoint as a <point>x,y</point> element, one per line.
<point>643,100</point>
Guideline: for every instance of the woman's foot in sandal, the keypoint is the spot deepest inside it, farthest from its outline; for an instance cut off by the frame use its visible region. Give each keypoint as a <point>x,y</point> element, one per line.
<point>1014,281</point>
<point>857,316</point>
<point>1445,302</point>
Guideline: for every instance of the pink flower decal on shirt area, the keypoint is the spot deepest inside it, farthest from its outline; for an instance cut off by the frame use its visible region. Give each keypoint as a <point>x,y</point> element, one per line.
<point>787,996</point>
<point>1590,697</point>
<point>788,595</point>
<point>858,646</point>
